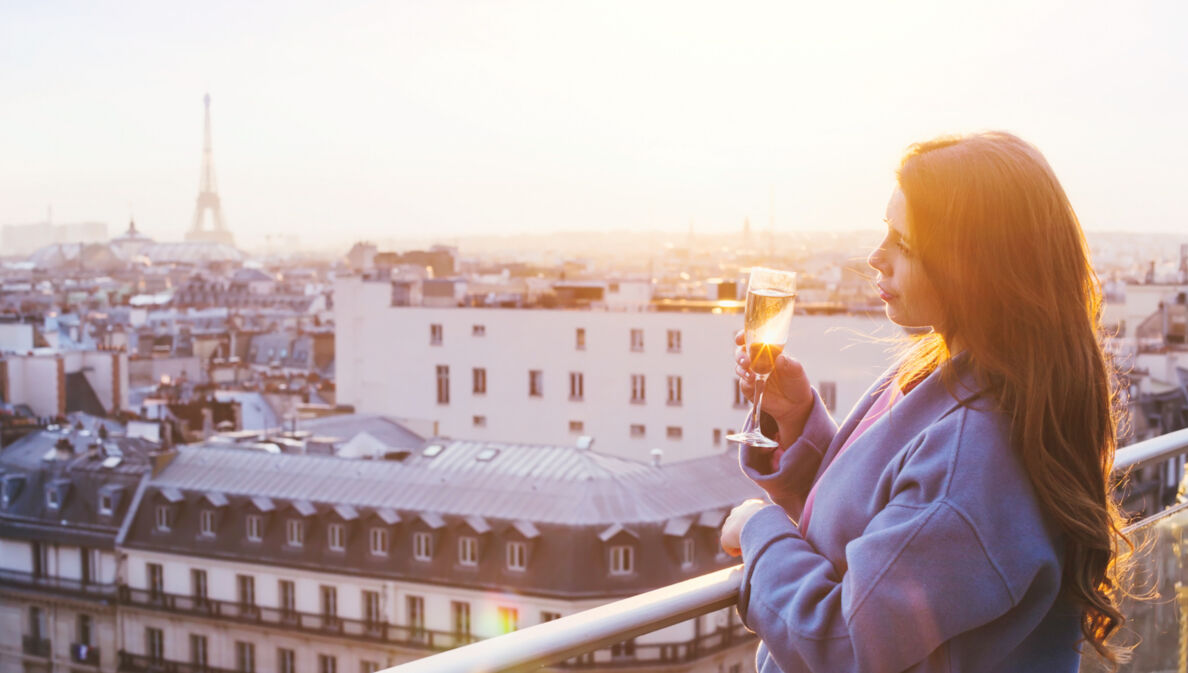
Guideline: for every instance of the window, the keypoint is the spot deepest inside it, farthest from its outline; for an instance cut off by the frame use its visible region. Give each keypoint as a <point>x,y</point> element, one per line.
<point>422,546</point>
<point>247,590</point>
<point>198,584</point>
<point>288,597</point>
<point>509,619</point>
<point>51,497</point>
<point>372,614</point>
<point>443,384</point>
<point>622,560</point>
<point>198,651</point>
<point>336,536</point>
<point>638,430</point>
<point>580,339</point>
<point>674,341</point>
<point>255,528</point>
<point>416,614</point>
<point>435,334</point>
<point>285,660</point>
<point>637,340</point>
<point>623,649</point>
<point>517,556</point>
<point>378,542</point>
<point>86,564</point>
<point>576,427</point>
<point>674,390</point>
<point>366,666</point>
<point>577,386</point>
<point>673,432</point>
<point>295,532</point>
<point>535,383</point>
<point>36,623</point>
<point>329,604</point>
<point>154,644</point>
<point>468,551</point>
<point>164,518</point>
<point>206,523</point>
<point>480,380</point>
<point>740,400</point>
<point>478,330</point>
<point>327,663</point>
<point>156,579</point>
<point>105,504</point>
<point>638,389</point>
<point>546,616</point>
<point>479,421</point>
<point>687,547</point>
<point>717,436</point>
<point>827,390</point>
<point>84,630</point>
<point>245,657</point>
<point>460,617</point>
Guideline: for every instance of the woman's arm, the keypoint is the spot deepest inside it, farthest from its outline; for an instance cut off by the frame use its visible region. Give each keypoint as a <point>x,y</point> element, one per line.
<point>960,544</point>
<point>787,473</point>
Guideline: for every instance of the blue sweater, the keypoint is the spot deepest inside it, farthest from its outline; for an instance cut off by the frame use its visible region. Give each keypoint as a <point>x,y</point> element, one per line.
<point>927,549</point>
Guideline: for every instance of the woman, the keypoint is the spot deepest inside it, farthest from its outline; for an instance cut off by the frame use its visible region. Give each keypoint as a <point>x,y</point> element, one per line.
<point>960,518</point>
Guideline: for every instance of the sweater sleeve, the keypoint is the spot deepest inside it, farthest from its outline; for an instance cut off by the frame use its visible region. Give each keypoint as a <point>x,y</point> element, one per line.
<point>790,484</point>
<point>915,578</point>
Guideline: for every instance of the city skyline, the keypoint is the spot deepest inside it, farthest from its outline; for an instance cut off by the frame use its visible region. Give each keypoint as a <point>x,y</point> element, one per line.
<point>374,122</point>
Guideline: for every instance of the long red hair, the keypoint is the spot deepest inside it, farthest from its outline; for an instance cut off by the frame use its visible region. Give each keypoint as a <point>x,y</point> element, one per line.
<point>1000,243</point>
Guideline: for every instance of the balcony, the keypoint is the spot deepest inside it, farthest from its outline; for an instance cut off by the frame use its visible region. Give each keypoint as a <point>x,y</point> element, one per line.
<point>139,663</point>
<point>57,585</point>
<point>82,653</point>
<point>568,642</point>
<point>35,646</point>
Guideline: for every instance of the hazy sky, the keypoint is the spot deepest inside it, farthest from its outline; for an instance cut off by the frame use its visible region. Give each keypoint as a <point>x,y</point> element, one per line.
<point>337,121</point>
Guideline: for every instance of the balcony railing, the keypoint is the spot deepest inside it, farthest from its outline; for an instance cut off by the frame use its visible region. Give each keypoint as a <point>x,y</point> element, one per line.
<point>35,647</point>
<point>139,663</point>
<point>58,585</point>
<point>81,653</point>
<point>572,637</point>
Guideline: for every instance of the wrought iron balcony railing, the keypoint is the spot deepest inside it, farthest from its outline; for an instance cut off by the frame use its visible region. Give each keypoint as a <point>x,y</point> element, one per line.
<point>35,646</point>
<point>82,653</point>
<point>574,636</point>
<point>57,585</point>
<point>139,663</point>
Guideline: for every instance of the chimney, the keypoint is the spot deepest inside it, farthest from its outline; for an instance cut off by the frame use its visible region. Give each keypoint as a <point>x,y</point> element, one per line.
<point>657,455</point>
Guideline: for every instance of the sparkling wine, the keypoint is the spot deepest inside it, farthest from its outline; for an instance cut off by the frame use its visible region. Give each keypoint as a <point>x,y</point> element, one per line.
<point>768,318</point>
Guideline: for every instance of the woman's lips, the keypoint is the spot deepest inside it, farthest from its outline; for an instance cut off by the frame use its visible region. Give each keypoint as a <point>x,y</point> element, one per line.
<point>883,294</point>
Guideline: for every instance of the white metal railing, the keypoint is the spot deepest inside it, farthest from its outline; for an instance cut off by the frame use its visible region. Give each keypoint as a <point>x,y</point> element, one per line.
<point>536,646</point>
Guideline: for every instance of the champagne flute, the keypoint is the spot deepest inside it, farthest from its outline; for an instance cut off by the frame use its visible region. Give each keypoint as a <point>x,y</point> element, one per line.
<point>771,295</point>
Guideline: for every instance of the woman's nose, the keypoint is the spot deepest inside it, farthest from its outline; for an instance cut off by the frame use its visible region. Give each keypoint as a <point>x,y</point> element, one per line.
<point>877,261</point>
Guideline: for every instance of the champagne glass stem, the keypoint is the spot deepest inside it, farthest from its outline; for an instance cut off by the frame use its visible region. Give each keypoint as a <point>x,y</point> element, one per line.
<point>760,380</point>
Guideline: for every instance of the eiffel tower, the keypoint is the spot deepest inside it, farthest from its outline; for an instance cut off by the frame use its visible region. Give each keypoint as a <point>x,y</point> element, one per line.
<point>208,198</point>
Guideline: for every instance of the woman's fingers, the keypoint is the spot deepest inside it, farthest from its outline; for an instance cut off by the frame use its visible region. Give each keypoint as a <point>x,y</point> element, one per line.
<point>740,337</point>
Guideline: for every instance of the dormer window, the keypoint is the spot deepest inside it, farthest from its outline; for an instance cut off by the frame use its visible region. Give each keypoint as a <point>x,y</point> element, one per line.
<point>53,498</point>
<point>295,532</point>
<point>379,542</point>
<point>468,550</point>
<point>687,548</point>
<point>336,536</point>
<point>106,506</point>
<point>622,560</point>
<point>206,523</point>
<point>164,518</point>
<point>255,528</point>
<point>517,556</point>
<point>423,546</point>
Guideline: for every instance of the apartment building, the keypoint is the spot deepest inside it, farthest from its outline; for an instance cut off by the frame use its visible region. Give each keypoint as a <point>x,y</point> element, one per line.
<point>244,561</point>
<point>64,493</point>
<point>633,381</point>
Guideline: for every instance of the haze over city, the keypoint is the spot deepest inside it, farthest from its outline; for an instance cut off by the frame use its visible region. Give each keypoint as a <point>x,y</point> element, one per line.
<point>407,120</point>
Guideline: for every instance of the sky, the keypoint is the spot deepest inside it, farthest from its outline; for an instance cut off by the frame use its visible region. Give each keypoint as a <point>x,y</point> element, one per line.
<point>352,120</point>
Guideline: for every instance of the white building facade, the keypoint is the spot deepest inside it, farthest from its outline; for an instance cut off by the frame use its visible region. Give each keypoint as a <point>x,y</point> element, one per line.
<point>633,381</point>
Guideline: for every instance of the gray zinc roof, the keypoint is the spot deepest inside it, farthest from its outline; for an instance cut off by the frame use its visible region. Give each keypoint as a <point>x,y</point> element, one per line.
<point>542,484</point>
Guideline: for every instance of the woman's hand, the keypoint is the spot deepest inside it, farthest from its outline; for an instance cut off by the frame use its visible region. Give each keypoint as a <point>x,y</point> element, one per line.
<point>787,395</point>
<point>734,525</point>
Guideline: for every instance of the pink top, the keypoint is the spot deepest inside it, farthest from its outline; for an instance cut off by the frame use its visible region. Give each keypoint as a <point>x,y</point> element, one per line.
<point>876,411</point>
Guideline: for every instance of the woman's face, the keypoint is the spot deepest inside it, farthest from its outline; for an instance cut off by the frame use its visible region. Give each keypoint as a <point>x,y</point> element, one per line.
<point>903,286</point>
